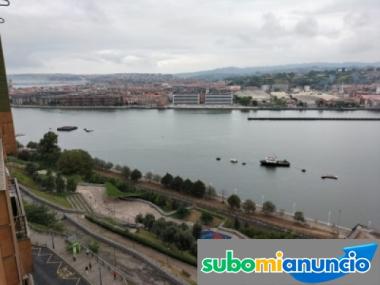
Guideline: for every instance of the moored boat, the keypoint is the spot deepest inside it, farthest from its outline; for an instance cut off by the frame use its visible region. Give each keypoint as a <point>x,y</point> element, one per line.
<point>334,177</point>
<point>272,161</point>
<point>67,128</point>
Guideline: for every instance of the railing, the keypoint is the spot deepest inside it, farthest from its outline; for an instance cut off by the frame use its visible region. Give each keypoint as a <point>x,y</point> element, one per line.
<point>21,227</point>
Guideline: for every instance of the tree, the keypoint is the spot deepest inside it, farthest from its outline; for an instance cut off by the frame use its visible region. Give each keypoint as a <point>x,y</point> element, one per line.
<point>139,219</point>
<point>197,230</point>
<point>199,189</point>
<point>206,218</point>
<point>108,165</point>
<point>48,149</point>
<point>234,201</point>
<point>149,221</point>
<point>149,176</point>
<point>184,240</point>
<point>76,161</point>
<point>187,186</point>
<point>31,168</point>
<point>49,182</point>
<point>210,192</point>
<point>167,180</point>
<point>182,212</point>
<point>249,206</point>
<point>177,183</point>
<point>269,207</point>
<point>299,217</point>
<point>71,184</point>
<point>136,175</point>
<point>40,214</point>
<point>32,145</point>
<point>126,172</point>
<point>156,178</point>
<point>60,184</point>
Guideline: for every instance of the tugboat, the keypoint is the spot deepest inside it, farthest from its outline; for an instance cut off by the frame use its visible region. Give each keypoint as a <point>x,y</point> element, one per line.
<point>329,177</point>
<point>272,161</point>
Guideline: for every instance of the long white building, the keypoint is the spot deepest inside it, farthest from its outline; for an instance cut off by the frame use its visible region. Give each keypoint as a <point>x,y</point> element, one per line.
<point>186,99</point>
<point>219,99</point>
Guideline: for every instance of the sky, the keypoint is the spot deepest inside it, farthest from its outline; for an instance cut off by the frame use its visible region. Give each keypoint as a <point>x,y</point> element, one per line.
<point>172,36</point>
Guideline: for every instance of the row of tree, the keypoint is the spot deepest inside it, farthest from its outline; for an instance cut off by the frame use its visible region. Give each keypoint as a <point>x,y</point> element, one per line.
<point>169,232</point>
<point>197,189</point>
<point>249,207</point>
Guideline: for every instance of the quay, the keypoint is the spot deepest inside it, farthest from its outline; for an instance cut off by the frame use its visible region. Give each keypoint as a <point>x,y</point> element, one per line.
<point>312,119</point>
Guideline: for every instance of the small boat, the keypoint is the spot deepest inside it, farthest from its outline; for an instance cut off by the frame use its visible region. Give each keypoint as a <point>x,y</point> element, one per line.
<point>329,177</point>
<point>218,158</point>
<point>234,160</point>
<point>272,161</point>
<point>87,130</point>
<point>244,163</point>
<point>303,170</point>
<point>67,128</point>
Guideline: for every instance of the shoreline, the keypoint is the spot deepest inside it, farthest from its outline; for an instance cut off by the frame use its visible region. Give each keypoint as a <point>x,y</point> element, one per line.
<point>192,108</point>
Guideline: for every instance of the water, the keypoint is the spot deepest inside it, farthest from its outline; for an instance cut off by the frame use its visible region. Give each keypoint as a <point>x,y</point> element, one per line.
<point>187,143</point>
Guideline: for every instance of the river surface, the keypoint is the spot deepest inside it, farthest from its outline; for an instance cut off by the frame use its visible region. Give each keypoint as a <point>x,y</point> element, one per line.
<point>187,143</point>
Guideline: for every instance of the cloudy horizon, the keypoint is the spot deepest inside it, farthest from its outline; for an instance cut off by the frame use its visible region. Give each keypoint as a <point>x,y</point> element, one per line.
<point>168,36</point>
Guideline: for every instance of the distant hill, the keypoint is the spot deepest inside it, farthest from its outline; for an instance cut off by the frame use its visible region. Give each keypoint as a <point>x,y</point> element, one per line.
<point>226,72</point>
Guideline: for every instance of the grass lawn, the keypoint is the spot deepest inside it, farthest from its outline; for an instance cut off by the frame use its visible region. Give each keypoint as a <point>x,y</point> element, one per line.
<point>113,192</point>
<point>27,181</point>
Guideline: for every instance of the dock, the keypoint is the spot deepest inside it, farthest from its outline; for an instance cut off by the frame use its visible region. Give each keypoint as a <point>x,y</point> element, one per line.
<point>313,119</point>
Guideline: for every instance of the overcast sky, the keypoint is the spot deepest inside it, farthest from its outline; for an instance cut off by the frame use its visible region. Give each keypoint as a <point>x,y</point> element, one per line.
<point>169,36</point>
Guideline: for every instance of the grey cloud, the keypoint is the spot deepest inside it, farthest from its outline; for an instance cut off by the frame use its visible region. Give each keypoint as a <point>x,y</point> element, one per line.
<point>94,36</point>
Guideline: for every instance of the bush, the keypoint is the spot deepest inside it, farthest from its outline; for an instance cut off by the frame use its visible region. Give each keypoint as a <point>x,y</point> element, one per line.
<point>206,218</point>
<point>182,212</point>
<point>94,246</point>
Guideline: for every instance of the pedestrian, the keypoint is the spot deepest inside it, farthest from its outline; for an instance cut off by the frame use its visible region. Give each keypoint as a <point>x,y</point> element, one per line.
<point>86,270</point>
<point>90,266</point>
<point>87,252</point>
<point>114,275</point>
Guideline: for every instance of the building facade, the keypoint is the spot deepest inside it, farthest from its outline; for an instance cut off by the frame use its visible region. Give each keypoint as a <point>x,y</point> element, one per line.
<point>219,99</point>
<point>186,99</point>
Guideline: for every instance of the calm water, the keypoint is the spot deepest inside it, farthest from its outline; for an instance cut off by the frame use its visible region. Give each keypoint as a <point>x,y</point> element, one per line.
<point>187,142</point>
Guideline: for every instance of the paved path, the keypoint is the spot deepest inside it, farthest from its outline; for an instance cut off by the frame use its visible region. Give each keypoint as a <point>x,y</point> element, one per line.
<point>82,261</point>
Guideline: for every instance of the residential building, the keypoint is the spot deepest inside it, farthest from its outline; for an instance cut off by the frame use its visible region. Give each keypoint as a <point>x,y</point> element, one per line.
<point>15,245</point>
<point>6,121</point>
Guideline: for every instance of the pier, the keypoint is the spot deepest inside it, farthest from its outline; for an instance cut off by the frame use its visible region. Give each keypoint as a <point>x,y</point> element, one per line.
<point>313,119</point>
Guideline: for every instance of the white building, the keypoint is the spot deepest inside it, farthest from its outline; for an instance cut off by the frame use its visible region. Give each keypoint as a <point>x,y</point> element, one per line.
<point>219,99</point>
<point>186,99</point>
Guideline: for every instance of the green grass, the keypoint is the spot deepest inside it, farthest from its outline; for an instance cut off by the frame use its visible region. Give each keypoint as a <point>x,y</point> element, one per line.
<point>28,182</point>
<point>113,192</point>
